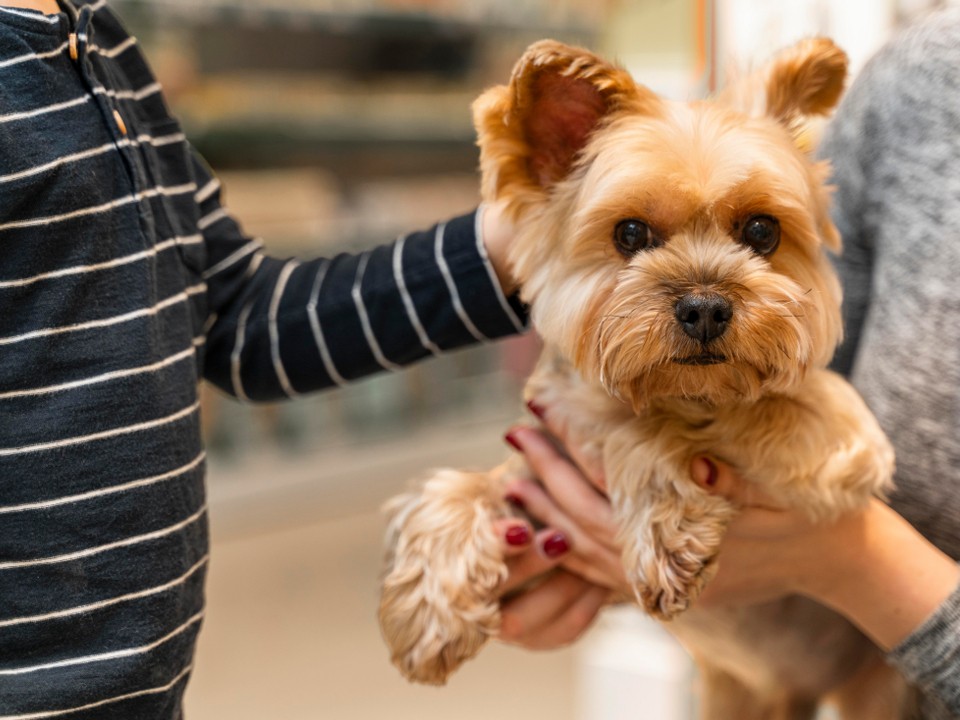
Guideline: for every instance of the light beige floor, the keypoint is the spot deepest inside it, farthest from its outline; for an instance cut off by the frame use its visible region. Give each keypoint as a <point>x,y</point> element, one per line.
<point>290,631</point>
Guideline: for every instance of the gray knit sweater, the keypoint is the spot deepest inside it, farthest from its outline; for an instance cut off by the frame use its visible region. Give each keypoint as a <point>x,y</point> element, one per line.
<point>895,149</point>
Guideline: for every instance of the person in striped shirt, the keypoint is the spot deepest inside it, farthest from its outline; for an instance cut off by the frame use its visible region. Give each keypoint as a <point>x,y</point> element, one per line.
<point>123,282</point>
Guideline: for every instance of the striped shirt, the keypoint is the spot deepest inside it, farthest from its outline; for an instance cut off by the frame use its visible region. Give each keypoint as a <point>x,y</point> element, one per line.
<point>123,282</point>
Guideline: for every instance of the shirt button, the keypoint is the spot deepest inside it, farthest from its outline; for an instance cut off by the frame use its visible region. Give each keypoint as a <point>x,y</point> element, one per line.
<point>74,53</point>
<point>121,125</point>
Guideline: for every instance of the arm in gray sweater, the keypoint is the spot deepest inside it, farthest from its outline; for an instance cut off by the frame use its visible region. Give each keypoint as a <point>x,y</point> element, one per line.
<point>895,149</point>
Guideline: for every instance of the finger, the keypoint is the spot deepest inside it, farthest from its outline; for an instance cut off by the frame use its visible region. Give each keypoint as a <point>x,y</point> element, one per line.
<point>565,483</point>
<point>591,464</point>
<point>591,557</point>
<point>611,575</point>
<point>515,534</point>
<point>548,551</point>
<point>553,614</point>
<point>591,527</point>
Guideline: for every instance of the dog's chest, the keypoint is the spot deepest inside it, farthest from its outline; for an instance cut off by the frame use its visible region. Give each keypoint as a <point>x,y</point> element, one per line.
<point>791,643</point>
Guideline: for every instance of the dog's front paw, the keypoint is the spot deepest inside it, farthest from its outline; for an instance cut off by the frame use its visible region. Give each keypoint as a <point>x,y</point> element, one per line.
<point>438,602</point>
<point>679,579</point>
<point>670,555</point>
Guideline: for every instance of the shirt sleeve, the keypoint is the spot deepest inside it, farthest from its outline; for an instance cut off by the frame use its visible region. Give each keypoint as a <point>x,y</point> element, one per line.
<point>280,328</point>
<point>930,657</point>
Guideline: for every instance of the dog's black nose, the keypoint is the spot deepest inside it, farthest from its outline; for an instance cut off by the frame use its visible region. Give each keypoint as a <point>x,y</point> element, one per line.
<point>705,316</point>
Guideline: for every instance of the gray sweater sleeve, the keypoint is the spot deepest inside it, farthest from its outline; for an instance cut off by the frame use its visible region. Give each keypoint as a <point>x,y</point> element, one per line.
<point>894,145</point>
<point>930,657</point>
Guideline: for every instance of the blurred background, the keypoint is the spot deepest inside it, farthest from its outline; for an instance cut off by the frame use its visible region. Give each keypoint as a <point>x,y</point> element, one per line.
<point>337,125</point>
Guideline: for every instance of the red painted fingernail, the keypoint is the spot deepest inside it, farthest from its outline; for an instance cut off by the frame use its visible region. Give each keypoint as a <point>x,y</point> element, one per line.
<point>711,472</point>
<point>517,535</point>
<point>556,545</point>
<point>536,409</point>
<point>511,438</point>
<point>516,501</point>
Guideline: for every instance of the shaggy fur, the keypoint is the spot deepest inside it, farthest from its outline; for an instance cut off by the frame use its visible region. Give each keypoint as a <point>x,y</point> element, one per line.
<point>575,148</point>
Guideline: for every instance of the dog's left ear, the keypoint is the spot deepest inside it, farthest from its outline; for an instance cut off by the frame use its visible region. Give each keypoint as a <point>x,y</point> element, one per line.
<point>532,131</point>
<point>805,80</point>
<point>801,82</point>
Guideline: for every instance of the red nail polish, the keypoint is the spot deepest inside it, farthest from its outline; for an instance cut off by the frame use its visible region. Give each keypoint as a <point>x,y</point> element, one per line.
<point>711,472</point>
<point>511,438</point>
<point>516,501</point>
<point>517,535</point>
<point>556,545</point>
<point>538,410</point>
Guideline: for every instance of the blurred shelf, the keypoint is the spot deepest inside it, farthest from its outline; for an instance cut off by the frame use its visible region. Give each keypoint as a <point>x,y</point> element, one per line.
<point>410,16</point>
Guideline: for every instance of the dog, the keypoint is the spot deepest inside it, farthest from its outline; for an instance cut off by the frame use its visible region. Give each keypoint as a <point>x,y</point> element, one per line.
<point>674,256</point>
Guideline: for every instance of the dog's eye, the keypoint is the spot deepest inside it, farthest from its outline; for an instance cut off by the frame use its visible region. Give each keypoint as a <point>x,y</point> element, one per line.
<point>632,236</point>
<point>762,234</point>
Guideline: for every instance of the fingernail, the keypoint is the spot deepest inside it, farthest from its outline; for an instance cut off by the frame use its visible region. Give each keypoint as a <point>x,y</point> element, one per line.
<point>538,410</point>
<point>516,501</point>
<point>556,545</point>
<point>517,535</point>
<point>511,438</point>
<point>704,471</point>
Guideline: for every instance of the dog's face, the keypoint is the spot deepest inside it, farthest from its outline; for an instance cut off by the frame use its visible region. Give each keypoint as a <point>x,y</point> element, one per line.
<point>669,249</point>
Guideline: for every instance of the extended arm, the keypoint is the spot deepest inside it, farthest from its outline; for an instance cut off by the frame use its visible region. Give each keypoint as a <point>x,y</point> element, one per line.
<point>280,328</point>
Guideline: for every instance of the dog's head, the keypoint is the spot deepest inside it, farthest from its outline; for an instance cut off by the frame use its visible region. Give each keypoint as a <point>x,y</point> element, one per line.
<point>669,249</point>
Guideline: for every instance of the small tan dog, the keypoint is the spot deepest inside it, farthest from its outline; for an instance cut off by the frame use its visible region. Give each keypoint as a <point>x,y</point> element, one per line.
<point>673,256</point>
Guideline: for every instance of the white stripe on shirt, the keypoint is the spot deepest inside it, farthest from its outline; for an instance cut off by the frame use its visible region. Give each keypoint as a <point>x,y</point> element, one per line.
<point>136,95</point>
<point>48,19</point>
<point>452,286</point>
<point>274,331</point>
<point>105,207</point>
<point>115,50</point>
<point>93,152</point>
<point>100,703</point>
<point>234,257</point>
<point>27,57</point>
<point>371,339</point>
<point>126,542</point>
<point>211,218</point>
<point>206,191</point>
<point>235,357</point>
<point>109,321</point>
<point>110,602</point>
<point>318,331</point>
<point>114,655</point>
<point>111,490</point>
<point>56,107</point>
<point>494,280</point>
<point>105,377</point>
<point>102,435</point>
<point>107,264</point>
<point>408,301</point>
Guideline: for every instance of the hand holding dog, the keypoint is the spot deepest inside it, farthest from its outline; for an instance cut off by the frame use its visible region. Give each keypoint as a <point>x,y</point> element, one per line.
<point>870,565</point>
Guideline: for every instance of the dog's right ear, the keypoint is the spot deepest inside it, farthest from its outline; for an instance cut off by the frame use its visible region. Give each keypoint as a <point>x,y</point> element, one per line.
<point>531,132</point>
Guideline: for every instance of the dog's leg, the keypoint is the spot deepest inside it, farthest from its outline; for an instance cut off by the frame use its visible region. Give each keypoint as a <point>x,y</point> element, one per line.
<point>438,601</point>
<point>670,528</point>
<point>724,697</point>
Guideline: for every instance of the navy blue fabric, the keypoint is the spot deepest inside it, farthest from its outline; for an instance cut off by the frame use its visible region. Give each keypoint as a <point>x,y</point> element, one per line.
<point>123,283</point>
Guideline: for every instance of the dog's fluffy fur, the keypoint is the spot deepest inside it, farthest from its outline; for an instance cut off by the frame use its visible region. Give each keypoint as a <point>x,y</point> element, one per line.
<point>574,148</point>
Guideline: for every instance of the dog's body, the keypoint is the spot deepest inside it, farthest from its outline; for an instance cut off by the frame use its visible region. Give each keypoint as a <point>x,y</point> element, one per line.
<point>673,254</point>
